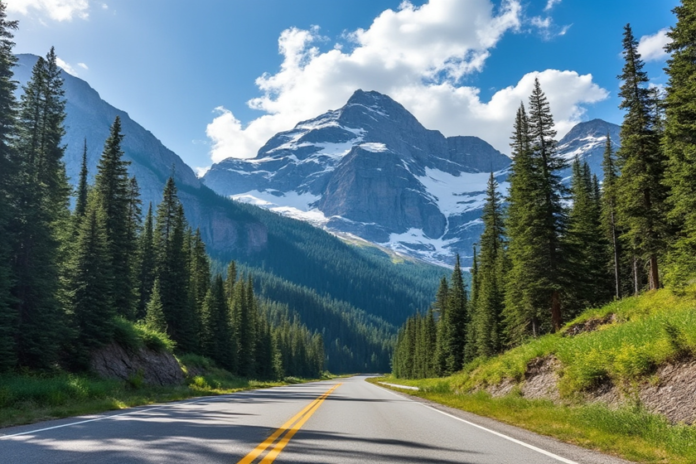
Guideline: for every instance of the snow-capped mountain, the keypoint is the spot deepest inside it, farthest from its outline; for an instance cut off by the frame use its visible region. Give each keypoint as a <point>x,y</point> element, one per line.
<point>371,170</point>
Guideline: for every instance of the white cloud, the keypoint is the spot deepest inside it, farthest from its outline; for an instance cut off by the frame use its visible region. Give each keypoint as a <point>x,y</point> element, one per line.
<point>417,55</point>
<point>550,4</point>
<point>200,171</point>
<point>66,67</point>
<point>652,47</point>
<point>59,10</point>
<point>83,66</point>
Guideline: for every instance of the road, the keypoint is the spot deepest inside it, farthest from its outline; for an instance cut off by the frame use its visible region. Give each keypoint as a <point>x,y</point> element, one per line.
<point>338,421</point>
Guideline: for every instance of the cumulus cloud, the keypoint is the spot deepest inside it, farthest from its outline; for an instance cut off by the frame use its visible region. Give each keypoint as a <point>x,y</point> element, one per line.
<point>418,56</point>
<point>59,10</point>
<point>652,47</point>
<point>66,67</point>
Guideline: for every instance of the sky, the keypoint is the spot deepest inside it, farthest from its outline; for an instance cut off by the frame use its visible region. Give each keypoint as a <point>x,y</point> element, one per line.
<point>214,79</point>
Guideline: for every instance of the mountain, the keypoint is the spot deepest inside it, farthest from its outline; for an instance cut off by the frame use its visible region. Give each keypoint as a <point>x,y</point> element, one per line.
<point>370,169</point>
<point>355,295</point>
<point>587,141</point>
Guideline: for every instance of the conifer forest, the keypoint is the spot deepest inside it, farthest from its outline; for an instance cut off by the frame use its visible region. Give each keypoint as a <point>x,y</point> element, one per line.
<point>551,249</point>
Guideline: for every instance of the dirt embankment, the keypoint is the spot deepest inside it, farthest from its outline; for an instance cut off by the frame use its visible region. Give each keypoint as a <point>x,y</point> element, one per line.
<point>670,392</point>
<point>154,368</point>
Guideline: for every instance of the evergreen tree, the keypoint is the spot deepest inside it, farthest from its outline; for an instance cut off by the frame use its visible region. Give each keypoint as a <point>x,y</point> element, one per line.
<point>82,189</point>
<point>146,265</point>
<point>490,294</point>
<point>112,185</point>
<point>90,283</point>
<point>200,277</point>
<point>218,340</point>
<point>609,214</point>
<point>640,193</point>
<point>440,307</point>
<point>154,312</point>
<point>586,245</point>
<point>39,218</point>
<point>522,312</point>
<point>680,146</point>
<point>8,311</point>
<point>455,321</point>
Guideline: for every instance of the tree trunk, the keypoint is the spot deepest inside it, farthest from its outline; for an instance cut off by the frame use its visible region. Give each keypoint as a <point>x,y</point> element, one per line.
<point>556,317</point>
<point>636,278</point>
<point>654,273</point>
<point>615,244</point>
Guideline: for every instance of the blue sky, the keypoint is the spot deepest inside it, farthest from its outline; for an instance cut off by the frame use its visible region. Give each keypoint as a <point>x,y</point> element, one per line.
<point>188,70</point>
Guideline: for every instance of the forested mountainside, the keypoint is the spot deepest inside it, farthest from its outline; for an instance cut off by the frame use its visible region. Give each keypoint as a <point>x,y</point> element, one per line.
<point>353,296</point>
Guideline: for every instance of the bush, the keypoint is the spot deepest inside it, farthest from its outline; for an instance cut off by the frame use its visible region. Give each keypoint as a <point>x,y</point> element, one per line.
<point>135,336</point>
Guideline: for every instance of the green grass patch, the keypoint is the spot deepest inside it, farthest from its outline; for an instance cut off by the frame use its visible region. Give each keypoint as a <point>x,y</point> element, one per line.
<point>135,336</point>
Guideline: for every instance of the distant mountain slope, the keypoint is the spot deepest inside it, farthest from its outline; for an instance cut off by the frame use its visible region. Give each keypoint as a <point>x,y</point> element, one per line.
<point>272,245</point>
<point>371,169</point>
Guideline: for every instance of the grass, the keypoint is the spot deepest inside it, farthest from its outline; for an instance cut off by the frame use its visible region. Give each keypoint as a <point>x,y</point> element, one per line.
<point>648,331</point>
<point>29,397</point>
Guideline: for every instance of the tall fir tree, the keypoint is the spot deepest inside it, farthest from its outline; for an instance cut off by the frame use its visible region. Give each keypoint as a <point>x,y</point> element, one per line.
<point>586,245</point>
<point>82,189</point>
<point>609,214</point>
<point>522,313</point>
<point>640,190</point>
<point>90,285</point>
<point>40,216</point>
<point>680,147</point>
<point>113,186</point>
<point>218,340</point>
<point>440,308</point>
<point>8,311</point>
<point>146,264</point>
<point>455,321</point>
<point>200,278</point>
<point>487,315</point>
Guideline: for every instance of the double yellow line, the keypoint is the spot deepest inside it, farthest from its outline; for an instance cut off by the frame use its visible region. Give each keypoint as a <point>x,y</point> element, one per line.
<point>291,426</point>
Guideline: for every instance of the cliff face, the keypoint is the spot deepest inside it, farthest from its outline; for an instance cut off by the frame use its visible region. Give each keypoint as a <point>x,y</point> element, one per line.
<point>154,368</point>
<point>223,228</point>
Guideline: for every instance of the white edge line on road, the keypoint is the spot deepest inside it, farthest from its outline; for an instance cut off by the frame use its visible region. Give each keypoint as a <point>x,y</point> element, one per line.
<point>132,411</point>
<point>514,440</point>
<point>137,410</point>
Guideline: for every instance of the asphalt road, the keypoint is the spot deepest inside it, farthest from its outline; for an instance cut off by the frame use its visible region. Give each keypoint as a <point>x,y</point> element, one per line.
<point>341,421</point>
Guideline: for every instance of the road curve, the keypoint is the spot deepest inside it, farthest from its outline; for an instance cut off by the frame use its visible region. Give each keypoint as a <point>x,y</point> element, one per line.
<point>341,421</point>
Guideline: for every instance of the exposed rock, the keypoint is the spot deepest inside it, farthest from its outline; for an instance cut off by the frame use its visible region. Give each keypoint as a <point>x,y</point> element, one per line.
<point>675,394</point>
<point>589,325</point>
<point>156,368</point>
<point>541,379</point>
<point>503,388</point>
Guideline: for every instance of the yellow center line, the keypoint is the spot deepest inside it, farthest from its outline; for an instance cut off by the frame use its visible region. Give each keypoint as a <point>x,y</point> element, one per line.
<point>249,458</point>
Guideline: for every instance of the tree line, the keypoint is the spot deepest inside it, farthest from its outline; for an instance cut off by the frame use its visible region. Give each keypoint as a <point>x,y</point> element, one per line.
<point>548,250</point>
<point>65,276</point>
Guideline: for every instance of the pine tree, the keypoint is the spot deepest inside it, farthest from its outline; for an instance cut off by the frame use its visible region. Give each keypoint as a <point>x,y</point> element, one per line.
<point>609,213</point>
<point>89,286</point>
<point>200,277</point>
<point>146,265</point>
<point>440,307</point>
<point>218,340</point>
<point>113,186</point>
<point>82,189</point>
<point>522,313</point>
<point>154,312</point>
<point>8,311</point>
<point>640,193</point>
<point>680,147</point>
<point>455,321</point>
<point>586,245</point>
<point>490,294</point>
<point>40,216</point>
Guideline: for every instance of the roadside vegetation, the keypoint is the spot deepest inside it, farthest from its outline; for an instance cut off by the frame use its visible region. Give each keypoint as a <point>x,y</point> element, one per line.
<point>637,335</point>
